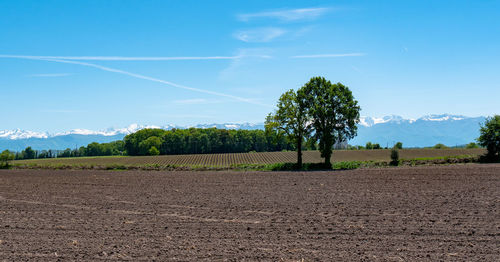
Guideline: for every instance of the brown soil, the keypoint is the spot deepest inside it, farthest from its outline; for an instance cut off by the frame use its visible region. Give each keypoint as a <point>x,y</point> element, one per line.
<point>391,214</point>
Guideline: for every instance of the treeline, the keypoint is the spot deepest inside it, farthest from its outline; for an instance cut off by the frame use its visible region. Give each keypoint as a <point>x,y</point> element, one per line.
<point>203,141</point>
<point>114,148</point>
<point>176,142</point>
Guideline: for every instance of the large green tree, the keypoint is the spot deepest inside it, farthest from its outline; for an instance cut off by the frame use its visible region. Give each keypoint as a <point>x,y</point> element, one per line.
<point>5,157</point>
<point>291,118</point>
<point>333,110</point>
<point>490,138</point>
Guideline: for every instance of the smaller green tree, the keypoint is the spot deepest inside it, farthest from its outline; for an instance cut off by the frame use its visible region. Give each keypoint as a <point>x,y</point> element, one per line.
<point>471,145</point>
<point>369,145</point>
<point>398,145</point>
<point>490,138</point>
<point>5,157</point>
<point>394,157</point>
<point>29,153</point>
<point>291,118</point>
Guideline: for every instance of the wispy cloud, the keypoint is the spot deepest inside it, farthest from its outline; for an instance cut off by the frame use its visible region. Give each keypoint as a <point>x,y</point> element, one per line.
<point>124,58</point>
<point>114,70</point>
<point>328,55</point>
<point>240,67</point>
<point>259,35</point>
<point>62,111</point>
<point>49,75</point>
<point>286,15</point>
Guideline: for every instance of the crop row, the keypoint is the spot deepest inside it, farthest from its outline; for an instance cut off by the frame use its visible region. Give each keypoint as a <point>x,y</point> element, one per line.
<point>253,158</point>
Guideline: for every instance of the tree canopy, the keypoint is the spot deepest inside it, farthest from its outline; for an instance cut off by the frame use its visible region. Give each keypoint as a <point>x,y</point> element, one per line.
<point>328,110</point>
<point>490,138</point>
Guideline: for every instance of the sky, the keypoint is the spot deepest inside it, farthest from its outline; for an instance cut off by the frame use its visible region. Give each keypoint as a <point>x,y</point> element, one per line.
<point>107,64</point>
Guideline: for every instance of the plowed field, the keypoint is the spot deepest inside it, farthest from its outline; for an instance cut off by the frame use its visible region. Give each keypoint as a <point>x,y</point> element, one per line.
<point>433,213</point>
<point>254,158</point>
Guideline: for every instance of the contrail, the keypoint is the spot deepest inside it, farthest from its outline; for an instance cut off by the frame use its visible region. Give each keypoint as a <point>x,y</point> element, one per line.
<point>327,55</point>
<point>125,58</point>
<point>134,58</point>
<point>114,70</point>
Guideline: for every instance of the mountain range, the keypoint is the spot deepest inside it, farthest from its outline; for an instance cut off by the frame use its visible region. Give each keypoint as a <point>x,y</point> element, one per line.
<point>428,130</point>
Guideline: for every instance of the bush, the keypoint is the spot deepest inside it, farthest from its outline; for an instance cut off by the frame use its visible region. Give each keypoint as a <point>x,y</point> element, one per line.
<point>472,145</point>
<point>394,157</point>
<point>153,151</point>
<point>490,138</point>
<point>346,165</point>
<point>439,146</point>
<point>5,157</point>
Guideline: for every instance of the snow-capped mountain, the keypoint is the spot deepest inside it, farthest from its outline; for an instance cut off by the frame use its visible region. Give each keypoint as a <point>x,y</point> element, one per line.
<point>17,140</point>
<point>428,130</point>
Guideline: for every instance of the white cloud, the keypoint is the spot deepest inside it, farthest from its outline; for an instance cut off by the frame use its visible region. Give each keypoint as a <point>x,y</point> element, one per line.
<point>259,35</point>
<point>286,15</point>
<point>328,55</point>
<point>49,75</point>
<point>123,58</point>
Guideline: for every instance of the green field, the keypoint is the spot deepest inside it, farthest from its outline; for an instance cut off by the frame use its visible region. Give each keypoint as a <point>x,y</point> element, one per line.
<point>226,160</point>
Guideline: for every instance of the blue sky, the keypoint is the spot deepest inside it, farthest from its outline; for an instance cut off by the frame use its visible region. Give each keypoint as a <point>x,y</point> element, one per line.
<point>100,64</point>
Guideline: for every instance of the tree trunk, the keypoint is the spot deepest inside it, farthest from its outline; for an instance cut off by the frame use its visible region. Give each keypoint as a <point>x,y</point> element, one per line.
<point>328,155</point>
<point>299,153</point>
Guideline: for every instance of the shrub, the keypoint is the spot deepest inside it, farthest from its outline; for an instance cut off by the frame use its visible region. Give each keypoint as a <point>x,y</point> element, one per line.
<point>153,151</point>
<point>439,146</point>
<point>394,157</point>
<point>472,145</point>
<point>347,165</point>
<point>5,157</point>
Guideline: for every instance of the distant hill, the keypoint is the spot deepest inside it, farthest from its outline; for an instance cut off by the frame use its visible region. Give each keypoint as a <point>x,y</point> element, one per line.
<point>429,130</point>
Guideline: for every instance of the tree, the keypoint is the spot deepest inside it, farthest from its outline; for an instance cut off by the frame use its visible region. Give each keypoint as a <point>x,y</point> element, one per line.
<point>28,153</point>
<point>369,145</point>
<point>333,110</point>
<point>490,138</point>
<point>146,145</point>
<point>394,157</point>
<point>471,145</point>
<point>291,118</point>
<point>398,145</point>
<point>5,157</point>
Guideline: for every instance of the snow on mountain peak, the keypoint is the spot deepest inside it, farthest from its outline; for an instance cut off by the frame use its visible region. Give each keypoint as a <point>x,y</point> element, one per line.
<point>370,121</point>
<point>443,117</point>
<point>365,121</point>
<point>21,134</point>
